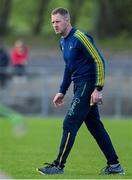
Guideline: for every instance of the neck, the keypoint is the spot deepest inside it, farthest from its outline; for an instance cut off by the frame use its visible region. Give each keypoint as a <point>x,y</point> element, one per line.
<point>67,31</point>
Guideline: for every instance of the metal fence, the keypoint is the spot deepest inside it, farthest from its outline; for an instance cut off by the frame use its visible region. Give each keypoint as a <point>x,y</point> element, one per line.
<point>34,95</point>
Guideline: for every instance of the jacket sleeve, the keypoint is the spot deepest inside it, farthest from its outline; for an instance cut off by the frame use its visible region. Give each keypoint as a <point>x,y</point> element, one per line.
<point>89,49</point>
<point>66,81</point>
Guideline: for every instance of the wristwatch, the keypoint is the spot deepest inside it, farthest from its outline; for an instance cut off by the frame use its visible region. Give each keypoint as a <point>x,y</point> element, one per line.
<point>99,88</point>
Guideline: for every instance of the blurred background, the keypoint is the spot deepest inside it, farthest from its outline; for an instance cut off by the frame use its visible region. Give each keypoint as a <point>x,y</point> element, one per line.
<point>29,83</point>
<point>31,70</point>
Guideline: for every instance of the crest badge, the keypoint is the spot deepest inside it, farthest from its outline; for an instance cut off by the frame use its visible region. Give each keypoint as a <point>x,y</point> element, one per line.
<point>70,46</point>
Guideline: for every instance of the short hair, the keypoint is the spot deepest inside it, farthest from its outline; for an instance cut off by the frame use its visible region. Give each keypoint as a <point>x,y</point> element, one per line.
<point>62,11</point>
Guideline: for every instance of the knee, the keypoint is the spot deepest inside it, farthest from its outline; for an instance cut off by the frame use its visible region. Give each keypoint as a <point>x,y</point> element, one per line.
<point>70,127</point>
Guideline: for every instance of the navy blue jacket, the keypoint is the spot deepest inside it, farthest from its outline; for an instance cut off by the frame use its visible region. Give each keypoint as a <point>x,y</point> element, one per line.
<point>83,62</point>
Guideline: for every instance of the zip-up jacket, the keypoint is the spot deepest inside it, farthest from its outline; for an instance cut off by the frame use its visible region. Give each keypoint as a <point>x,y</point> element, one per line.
<point>83,61</point>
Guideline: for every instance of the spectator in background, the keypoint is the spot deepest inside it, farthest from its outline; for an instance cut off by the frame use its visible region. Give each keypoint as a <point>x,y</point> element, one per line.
<point>19,58</point>
<point>4,62</point>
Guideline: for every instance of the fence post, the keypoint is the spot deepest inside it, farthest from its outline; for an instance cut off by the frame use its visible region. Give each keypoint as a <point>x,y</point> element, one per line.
<point>118,99</point>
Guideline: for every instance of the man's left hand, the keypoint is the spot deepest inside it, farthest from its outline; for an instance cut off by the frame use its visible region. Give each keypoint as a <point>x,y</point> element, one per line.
<point>96,97</point>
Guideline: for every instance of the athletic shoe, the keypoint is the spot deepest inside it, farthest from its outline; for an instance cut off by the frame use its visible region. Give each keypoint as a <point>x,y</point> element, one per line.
<point>112,170</point>
<point>50,169</point>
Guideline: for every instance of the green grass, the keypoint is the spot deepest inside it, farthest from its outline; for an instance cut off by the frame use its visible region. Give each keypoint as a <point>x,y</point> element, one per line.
<point>20,156</point>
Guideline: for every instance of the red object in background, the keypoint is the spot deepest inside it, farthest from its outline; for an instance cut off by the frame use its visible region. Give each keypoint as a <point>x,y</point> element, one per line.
<point>19,54</point>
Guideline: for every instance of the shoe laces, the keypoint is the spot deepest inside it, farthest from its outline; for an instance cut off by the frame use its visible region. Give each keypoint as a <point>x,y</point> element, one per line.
<point>105,168</point>
<point>48,165</point>
<point>108,167</point>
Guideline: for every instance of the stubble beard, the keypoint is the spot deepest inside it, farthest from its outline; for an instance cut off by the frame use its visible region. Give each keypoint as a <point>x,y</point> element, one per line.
<point>63,32</point>
<point>59,32</point>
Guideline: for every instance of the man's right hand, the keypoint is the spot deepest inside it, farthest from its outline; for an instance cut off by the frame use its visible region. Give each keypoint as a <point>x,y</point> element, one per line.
<point>58,100</point>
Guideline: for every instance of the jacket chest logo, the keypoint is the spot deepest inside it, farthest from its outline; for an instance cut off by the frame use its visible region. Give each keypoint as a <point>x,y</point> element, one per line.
<point>70,46</point>
<point>62,47</point>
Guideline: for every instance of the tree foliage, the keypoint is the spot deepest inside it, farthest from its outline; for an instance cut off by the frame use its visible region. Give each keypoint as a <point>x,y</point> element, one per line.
<point>74,9</point>
<point>5,9</point>
<point>41,11</point>
<point>113,17</point>
<point>104,17</point>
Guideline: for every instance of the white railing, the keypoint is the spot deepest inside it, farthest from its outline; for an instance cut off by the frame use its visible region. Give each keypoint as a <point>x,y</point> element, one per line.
<point>34,95</point>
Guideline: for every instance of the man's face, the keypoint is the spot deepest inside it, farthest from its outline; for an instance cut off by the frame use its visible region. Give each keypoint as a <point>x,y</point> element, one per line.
<point>59,23</point>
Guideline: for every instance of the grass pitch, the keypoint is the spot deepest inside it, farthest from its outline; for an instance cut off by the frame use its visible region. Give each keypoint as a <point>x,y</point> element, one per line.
<point>20,156</point>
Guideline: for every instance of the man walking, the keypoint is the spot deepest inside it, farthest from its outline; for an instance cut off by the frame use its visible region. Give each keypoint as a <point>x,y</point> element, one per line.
<point>84,66</point>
